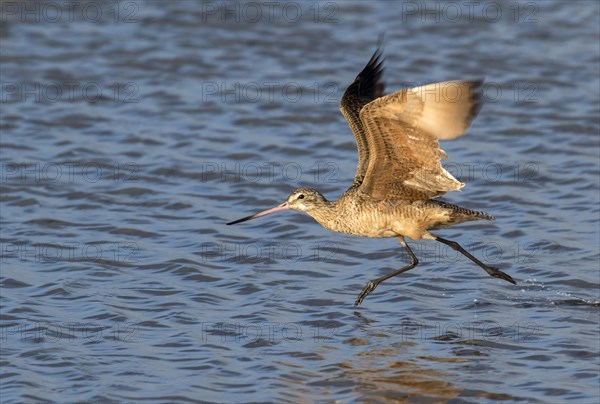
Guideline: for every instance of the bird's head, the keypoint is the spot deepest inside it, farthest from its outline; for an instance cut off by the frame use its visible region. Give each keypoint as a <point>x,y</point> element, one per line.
<point>304,199</point>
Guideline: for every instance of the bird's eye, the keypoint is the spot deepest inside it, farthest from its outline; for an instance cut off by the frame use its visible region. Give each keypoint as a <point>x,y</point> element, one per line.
<point>301,196</point>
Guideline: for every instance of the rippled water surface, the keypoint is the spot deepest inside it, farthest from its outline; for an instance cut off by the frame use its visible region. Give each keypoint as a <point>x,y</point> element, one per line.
<point>133,131</point>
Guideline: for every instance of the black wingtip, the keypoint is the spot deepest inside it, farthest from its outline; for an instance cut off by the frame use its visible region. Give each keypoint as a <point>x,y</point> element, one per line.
<point>368,85</point>
<point>478,98</point>
<point>377,59</point>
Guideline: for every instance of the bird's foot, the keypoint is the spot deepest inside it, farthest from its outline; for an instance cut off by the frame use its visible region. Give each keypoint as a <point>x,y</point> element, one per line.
<point>369,287</point>
<point>499,274</point>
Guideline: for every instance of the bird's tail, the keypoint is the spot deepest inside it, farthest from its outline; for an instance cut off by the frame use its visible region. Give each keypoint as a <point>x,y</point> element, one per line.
<point>460,215</point>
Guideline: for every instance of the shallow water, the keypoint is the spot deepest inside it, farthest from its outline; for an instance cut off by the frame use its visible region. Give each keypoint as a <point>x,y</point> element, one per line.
<point>132,132</point>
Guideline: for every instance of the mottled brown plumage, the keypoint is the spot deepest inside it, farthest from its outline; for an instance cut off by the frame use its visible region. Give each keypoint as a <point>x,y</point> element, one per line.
<point>399,169</point>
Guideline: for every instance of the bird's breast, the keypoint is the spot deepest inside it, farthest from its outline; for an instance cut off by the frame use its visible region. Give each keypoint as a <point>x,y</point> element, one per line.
<point>360,218</point>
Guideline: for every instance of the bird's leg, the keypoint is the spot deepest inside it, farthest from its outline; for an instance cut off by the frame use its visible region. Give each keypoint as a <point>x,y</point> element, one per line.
<point>490,270</point>
<point>371,285</point>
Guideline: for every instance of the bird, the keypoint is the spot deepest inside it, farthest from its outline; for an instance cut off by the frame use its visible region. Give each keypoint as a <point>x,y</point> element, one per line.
<point>399,178</point>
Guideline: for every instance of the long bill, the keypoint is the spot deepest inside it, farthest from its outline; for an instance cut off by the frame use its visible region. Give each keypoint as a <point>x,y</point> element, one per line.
<point>283,206</point>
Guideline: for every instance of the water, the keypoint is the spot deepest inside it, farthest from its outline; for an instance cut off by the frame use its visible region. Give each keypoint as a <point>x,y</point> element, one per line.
<point>132,132</point>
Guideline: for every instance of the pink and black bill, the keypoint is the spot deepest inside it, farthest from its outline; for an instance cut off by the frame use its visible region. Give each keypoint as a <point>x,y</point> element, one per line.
<point>283,206</point>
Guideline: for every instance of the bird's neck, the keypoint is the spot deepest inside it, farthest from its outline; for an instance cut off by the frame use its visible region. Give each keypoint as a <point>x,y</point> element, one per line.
<point>326,213</point>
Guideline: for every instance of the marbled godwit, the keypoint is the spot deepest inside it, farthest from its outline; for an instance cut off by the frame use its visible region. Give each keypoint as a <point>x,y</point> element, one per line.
<point>399,171</point>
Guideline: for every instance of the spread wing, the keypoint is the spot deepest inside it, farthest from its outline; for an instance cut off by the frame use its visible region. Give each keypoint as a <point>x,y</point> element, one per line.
<point>366,87</point>
<point>402,131</point>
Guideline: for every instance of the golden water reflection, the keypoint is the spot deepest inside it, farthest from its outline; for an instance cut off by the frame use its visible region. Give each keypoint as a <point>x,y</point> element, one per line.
<point>380,377</point>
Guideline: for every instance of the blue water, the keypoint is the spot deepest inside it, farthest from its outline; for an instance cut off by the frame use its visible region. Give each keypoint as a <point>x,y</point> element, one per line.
<point>131,132</point>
